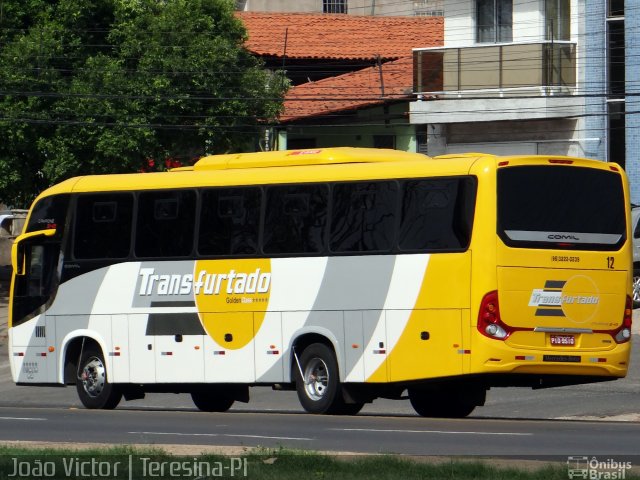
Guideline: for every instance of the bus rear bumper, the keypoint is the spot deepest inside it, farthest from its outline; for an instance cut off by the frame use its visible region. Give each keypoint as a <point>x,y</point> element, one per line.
<point>610,363</point>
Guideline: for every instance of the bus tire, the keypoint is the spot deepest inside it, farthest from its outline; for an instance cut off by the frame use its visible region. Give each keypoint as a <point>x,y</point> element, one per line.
<point>319,391</point>
<point>349,409</point>
<point>211,401</point>
<point>94,390</point>
<point>439,404</point>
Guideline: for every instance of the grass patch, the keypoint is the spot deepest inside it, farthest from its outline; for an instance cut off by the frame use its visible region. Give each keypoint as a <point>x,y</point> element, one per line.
<point>281,464</point>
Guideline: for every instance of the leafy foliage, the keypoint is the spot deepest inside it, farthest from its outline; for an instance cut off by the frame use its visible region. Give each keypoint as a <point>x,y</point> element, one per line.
<point>103,86</point>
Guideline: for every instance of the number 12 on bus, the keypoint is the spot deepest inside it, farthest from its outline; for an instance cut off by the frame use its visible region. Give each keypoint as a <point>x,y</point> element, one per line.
<point>346,274</point>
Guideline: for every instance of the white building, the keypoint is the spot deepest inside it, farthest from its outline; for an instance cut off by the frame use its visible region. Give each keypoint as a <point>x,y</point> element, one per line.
<point>508,79</point>
<point>351,7</point>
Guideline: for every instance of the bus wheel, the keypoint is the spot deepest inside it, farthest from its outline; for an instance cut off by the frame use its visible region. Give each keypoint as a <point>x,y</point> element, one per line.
<point>211,401</point>
<point>319,386</point>
<point>439,404</point>
<point>349,409</point>
<point>93,388</point>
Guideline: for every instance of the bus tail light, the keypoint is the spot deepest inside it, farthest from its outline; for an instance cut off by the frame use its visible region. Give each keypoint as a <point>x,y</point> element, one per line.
<point>489,322</point>
<point>623,334</point>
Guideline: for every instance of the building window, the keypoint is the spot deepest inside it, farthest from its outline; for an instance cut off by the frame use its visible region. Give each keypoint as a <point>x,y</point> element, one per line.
<point>616,58</point>
<point>616,90</point>
<point>301,143</point>
<point>494,21</point>
<point>334,6</point>
<point>384,141</point>
<point>615,8</point>
<point>428,8</point>
<point>558,19</point>
<point>617,140</point>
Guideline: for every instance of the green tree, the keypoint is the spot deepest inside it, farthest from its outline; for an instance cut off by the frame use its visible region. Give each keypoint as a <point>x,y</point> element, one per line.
<point>103,86</point>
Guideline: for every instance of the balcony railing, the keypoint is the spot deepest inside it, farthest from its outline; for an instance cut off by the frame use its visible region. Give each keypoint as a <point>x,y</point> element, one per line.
<point>546,66</point>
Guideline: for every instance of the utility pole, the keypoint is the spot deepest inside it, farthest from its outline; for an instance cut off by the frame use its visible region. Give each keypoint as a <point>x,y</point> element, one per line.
<point>379,62</point>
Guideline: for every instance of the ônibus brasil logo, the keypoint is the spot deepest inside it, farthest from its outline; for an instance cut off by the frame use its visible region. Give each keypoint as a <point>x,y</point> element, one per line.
<point>596,469</point>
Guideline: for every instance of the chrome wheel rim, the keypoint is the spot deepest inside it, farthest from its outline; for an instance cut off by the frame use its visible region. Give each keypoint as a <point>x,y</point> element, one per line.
<point>93,377</point>
<point>316,379</point>
<point>636,289</point>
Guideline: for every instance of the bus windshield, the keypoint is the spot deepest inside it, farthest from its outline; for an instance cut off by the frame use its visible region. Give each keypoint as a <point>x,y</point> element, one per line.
<point>561,207</point>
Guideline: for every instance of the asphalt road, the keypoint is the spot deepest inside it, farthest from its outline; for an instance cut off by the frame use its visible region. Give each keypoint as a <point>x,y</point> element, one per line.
<point>409,435</point>
<point>516,423</point>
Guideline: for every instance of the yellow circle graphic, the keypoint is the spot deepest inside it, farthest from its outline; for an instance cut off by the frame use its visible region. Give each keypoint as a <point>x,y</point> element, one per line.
<point>232,297</point>
<point>580,299</point>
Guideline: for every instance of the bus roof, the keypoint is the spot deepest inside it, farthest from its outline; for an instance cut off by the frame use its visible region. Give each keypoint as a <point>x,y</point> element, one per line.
<point>296,158</point>
<point>304,166</point>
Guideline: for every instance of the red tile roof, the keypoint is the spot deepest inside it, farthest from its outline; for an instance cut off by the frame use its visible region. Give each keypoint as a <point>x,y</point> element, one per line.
<point>350,91</point>
<point>337,36</point>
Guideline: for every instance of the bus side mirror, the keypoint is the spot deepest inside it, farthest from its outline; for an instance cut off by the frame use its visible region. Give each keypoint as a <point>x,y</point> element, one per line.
<point>18,249</point>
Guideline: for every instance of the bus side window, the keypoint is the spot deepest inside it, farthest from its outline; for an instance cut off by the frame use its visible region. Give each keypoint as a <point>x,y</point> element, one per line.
<point>434,215</point>
<point>363,217</point>
<point>165,223</point>
<point>296,219</point>
<point>428,207</point>
<point>103,226</point>
<point>229,221</point>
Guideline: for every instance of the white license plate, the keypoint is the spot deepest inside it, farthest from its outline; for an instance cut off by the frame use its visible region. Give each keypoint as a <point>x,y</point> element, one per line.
<point>563,340</point>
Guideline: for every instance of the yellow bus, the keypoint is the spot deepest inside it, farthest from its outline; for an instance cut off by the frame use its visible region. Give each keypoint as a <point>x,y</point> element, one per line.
<point>346,274</point>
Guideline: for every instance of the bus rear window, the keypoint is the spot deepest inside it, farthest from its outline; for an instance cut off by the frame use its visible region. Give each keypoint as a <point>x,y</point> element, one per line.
<point>561,207</point>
